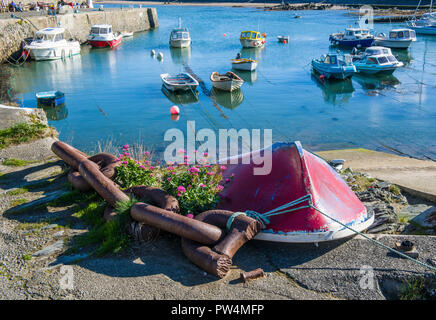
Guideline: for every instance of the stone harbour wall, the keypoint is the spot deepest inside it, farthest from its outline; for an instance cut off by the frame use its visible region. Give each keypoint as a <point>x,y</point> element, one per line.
<point>14,30</point>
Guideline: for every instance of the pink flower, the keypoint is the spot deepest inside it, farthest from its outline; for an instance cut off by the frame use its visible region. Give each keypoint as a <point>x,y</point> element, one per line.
<point>194,170</point>
<point>181,189</point>
<point>142,166</point>
<point>190,215</point>
<point>151,167</point>
<point>219,187</point>
<point>182,151</point>
<point>189,186</point>
<point>227,180</point>
<point>205,154</point>
<point>147,154</point>
<point>223,167</point>
<point>147,162</point>
<point>124,162</point>
<point>168,179</point>
<point>172,172</point>
<point>210,173</point>
<point>126,147</point>
<point>170,168</point>
<point>202,185</point>
<point>170,163</point>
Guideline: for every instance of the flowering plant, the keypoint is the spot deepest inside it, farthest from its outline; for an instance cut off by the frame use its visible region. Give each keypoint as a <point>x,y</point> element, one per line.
<point>195,186</point>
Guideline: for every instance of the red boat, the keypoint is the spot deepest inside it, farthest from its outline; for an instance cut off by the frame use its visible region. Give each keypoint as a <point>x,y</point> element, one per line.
<point>300,196</point>
<point>101,36</point>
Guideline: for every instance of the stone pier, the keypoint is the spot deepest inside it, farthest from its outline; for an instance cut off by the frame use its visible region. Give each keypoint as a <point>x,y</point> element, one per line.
<point>14,30</point>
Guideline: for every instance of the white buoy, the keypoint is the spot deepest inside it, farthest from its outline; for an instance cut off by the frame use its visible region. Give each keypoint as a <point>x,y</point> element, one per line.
<point>160,55</point>
<point>153,53</point>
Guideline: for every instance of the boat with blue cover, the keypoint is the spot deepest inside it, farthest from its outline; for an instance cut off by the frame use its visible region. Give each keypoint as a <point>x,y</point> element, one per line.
<point>352,37</point>
<point>335,66</point>
<point>50,98</point>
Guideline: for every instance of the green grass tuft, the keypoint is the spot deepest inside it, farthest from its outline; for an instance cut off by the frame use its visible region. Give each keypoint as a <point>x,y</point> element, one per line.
<point>413,290</point>
<point>21,133</point>
<point>109,236</point>
<point>16,162</point>
<point>17,202</point>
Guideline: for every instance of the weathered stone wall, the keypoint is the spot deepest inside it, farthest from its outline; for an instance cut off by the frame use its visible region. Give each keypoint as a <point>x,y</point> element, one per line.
<point>14,31</point>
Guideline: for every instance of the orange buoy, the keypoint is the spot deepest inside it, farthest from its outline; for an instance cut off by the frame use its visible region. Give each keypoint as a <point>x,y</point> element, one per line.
<point>175,110</point>
<point>264,35</point>
<point>224,34</point>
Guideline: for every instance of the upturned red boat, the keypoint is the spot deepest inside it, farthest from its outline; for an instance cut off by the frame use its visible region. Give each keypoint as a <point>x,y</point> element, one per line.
<point>301,197</point>
<point>101,36</point>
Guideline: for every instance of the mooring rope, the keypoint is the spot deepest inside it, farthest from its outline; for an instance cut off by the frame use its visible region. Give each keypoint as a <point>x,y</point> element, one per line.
<point>286,208</point>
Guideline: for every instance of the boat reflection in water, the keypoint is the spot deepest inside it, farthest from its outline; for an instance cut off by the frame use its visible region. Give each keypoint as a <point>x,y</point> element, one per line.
<point>229,100</point>
<point>373,84</point>
<point>252,53</point>
<point>403,55</point>
<point>334,91</point>
<point>57,113</point>
<point>248,76</point>
<point>181,97</point>
<point>180,55</point>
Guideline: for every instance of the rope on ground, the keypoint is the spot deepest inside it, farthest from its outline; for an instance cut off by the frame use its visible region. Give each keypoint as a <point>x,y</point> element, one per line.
<point>286,208</point>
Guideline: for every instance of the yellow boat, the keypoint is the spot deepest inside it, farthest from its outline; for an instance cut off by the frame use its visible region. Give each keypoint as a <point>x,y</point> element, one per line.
<point>252,39</point>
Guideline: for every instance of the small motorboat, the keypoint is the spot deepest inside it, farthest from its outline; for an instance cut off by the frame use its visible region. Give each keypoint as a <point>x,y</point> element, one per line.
<point>244,64</point>
<point>226,82</point>
<point>126,34</point>
<point>335,66</point>
<point>179,82</point>
<point>352,37</point>
<point>252,39</point>
<point>180,37</point>
<point>425,25</point>
<point>50,98</point>
<point>292,182</point>
<point>397,38</point>
<point>283,39</point>
<point>101,36</point>
<point>50,44</point>
<point>376,60</point>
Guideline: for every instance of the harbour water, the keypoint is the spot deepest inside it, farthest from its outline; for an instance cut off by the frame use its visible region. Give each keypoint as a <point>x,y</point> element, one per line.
<point>114,97</point>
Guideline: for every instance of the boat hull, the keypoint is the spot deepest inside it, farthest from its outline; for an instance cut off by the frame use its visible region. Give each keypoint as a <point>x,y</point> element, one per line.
<point>426,30</point>
<point>246,66</point>
<point>295,173</point>
<point>106,43</point>
<point>396,44</point>
<point>333,73</point>
<point>228,85</point>
<point>246,43</point>
<point>180,43</point>
<point>41,53</point>
<point>376,70</point>
<point>362,43</point>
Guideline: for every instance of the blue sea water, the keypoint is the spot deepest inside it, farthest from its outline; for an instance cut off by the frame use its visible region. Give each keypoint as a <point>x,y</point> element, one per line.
<point>114,97</point>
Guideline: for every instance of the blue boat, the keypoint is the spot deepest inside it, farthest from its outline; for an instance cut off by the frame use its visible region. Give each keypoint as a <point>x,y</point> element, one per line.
<point>50,98</point>
<point>335,66</point>
<point>353,37</point>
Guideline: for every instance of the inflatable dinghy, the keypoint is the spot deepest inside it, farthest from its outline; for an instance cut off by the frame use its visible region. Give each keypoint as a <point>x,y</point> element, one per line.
<point>301,197</point>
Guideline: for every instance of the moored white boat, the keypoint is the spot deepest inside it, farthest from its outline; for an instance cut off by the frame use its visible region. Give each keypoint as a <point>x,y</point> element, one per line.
<point>397,38</point>
<point>426,24</point>
<point>179,82</point>
<point>126,34</point>
<point>244,64</point>
<point>377,60</point>
<point>102,36</point>
<point>226,82</point>
<point>50,44</point>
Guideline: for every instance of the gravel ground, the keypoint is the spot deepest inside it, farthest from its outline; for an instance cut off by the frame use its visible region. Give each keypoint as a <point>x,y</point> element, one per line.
<point>159,270</point>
